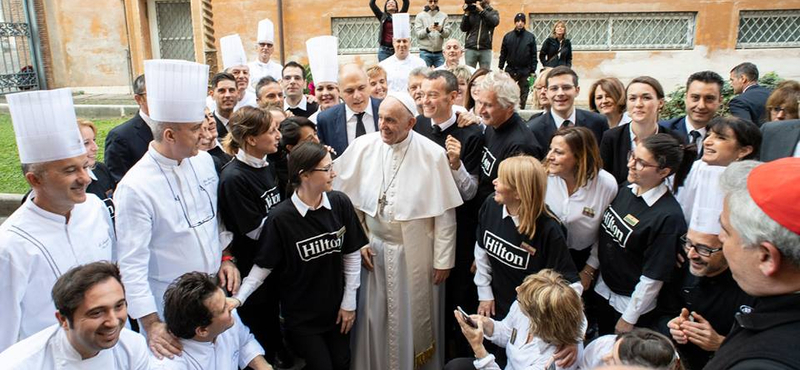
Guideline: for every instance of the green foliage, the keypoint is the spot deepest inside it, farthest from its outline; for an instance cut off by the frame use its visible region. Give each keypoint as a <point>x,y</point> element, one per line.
<point>11,179</point>
<point>675,106</point>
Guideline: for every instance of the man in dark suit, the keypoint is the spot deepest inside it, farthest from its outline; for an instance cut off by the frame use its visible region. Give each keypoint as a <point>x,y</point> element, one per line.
<point>127,143</point>
<point>225,95</point>
<point>703,99</point>
<point>562,88</point>
<point>752,100</point>
<point>780,140</point>
<point>293,83</point>
<point>339,125</point>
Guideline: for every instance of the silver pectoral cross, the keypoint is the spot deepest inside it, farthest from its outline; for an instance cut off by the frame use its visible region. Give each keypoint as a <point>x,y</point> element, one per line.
<point>381,202</point>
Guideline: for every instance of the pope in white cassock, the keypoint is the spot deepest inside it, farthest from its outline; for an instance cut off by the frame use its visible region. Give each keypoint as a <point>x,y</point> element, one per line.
<point>401,185</point>
<point>400,65</point>
<point>90,334</point>
<point>167,202</point>
<point>59,226</point>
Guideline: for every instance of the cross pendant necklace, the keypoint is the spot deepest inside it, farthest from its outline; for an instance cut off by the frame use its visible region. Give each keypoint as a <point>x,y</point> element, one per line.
<point>382,199</point>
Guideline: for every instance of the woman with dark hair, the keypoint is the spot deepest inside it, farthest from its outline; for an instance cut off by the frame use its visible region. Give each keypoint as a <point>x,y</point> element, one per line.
<point>385,47</point>
<point>578,191</point>
<point>557,49</point>
<point>315,240</point>
<point>645,98</point>
<point>640,235</point>
<point>473,90</point>
<point>247,192</point>
<point>639,347</point>
<point>729,139</point>
<point>607,97</point>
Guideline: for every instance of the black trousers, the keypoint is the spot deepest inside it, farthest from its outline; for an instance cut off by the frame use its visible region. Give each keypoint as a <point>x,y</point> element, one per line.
<point>463,363</point>
<point>325,351</point>
<point>261,313</point>
<point>524,88</point>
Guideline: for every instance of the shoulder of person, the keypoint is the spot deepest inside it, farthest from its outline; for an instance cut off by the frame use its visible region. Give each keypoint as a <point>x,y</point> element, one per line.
<point>330,114</point>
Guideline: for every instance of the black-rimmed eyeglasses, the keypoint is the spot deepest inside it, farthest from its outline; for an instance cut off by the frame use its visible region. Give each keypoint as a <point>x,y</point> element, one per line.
<point>701,249</point>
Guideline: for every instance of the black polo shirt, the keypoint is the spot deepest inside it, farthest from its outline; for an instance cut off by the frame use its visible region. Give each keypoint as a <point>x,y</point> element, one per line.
<point>510,139</point>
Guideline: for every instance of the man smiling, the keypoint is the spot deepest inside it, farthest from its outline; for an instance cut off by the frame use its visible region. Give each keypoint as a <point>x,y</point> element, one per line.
<point>703,99</point>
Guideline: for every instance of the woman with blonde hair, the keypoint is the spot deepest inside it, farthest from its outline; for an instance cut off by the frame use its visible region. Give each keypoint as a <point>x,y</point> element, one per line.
<point>547,315</point>
<point>607,97</point>
<point>517,236</point>
<point>782,104</point>
<point>557,49</point>
<point>578,191</point>
<point>102,183</point>
<point>377,82</point>
<point>540,92</point>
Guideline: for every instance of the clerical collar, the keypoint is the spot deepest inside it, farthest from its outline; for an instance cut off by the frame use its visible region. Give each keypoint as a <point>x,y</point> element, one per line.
<point>250,160</point>
<point>449,122</point>
<point>349,113</point>
<point>513,218</point>
<point>304,208</point>
<point>651,196</point>
<point>303,104</point>
<point>558,121</point>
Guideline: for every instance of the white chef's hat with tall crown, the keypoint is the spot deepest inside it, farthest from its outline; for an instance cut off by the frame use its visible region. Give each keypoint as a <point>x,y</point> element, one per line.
<point>323,58</point>
<point>232,51</point>
<point>266,31</point>
<point>708,200</point>
<point>45,125</point>
<point>401,26</point>
<point>176,90</point>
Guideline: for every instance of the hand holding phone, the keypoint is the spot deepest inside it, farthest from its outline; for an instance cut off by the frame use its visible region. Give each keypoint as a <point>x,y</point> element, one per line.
<point>466,318</point>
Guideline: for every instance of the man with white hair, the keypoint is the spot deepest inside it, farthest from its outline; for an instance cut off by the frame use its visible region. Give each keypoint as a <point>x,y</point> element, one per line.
<point>399,65</point>
<point>761,242</point>
<point>453,50</point>
<point>58,227</point>
<point>412,239</point>
<point>167,202</point>
<point>265,45</point>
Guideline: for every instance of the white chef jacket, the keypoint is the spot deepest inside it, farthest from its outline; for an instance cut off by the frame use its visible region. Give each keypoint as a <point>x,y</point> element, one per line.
<point>249,99</point>
<point>260,70</point>
<point>157,200</point>
<point>233,349</point>
<point>397,71</point>
<point>36,248</point>
<point>50,349</point>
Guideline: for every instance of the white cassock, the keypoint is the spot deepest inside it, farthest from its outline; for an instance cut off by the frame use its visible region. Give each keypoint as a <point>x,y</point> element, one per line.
<point>233,349</point>
<point>400,322</point>
<point>397,71</point>
<point>260,70</point>
<point>36,248</point>
<point>166,226</point>
<point>50,349</point>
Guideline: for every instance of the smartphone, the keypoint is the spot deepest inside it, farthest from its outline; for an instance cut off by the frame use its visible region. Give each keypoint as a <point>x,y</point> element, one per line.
<point>552,366</point>
<point>466,317</point>
<point>436,24</point>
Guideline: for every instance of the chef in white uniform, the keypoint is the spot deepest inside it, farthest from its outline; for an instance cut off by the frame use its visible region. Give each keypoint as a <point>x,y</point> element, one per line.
<point>263,66</point>
<point>400,65</point>
<point>223,343</point>
<point>167,202</point>
<point>234,61</point>
<point>323,59</point>
<point>59,226</point>
<point>90,333</point>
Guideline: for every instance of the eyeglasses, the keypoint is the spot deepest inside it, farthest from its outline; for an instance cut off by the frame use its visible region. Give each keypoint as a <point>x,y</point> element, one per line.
<point>702,250</point>
<point>183,206</point>
<point>265,45</point>
<point>327,168</point>
<point>639,164</point>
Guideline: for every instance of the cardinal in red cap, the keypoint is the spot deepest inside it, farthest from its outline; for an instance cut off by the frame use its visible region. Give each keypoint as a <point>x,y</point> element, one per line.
<point>775,187</point>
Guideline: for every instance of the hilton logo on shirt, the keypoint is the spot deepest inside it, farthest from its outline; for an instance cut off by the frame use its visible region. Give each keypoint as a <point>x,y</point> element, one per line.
<point>321,245</point>
<point>271,197</point>
<point>487,162</point>
<point>505,252</point>
<point>616,227</point>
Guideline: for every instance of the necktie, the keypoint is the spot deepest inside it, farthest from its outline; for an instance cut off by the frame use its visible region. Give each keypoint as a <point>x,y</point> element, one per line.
<point>436,129</point>
<point>566,123</point>
<point>360,129</point>
<point>697,141</point>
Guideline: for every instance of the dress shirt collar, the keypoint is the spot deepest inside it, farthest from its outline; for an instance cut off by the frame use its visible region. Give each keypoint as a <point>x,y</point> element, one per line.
<point>221,119</point>
<point>513,218</point>
<point>446,124</point>
<point>558,121</point>
<point>349,113</point>
<point>304,208</point>
<point>651,196</point>
<point>303,104</point>
<point>690,128</point>
<point>147,120</point>
<point>624,119</point>
<point>91,174</point>
<point>250,160</point>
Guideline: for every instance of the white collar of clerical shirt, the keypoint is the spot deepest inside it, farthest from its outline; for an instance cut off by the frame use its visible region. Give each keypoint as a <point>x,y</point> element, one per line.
<point>651,196</point>
<point>349,113</point>
<point>160,159</point>
<point>558,121</point>
<point>446,124</point>
<point>303,104</point>
<point>304,208</point>
<point>250,160</point>
<point>513,218</point>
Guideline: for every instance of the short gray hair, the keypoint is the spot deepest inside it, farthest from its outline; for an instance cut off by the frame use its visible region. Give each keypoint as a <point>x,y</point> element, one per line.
<point>34,168</point>
<point>504,86</point>
<point>420,72</point>
<point>158,129</point>
<point>753,225</point>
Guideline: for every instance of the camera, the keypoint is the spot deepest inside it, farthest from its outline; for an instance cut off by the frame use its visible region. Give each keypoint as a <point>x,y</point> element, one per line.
<point>470,5</point>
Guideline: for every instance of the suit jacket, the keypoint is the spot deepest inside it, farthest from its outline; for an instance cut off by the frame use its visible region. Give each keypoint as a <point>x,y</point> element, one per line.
<point>751,104</point>
<point>779,139</point>
<point>222,131</point>
<point>332,125</point>
<point>677,126</point>
<point>125,145</point>
<point>544,127</point>
<point>614,150</point>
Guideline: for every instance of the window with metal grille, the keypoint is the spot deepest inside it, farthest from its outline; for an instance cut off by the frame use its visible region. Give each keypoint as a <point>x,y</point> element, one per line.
<point>174,22</point>
<point>768,29</point>
<point>620,31</point>
<point>359,35</point>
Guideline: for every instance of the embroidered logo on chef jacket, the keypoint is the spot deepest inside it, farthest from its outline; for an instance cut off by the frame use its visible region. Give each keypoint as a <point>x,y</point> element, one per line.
<point>505,252</point>
<point>104,244</point>
<point>615,226</point>
<point>209,181</point>
<point>321,245</point>
<point>487,162</point>
<point>271,197</point>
